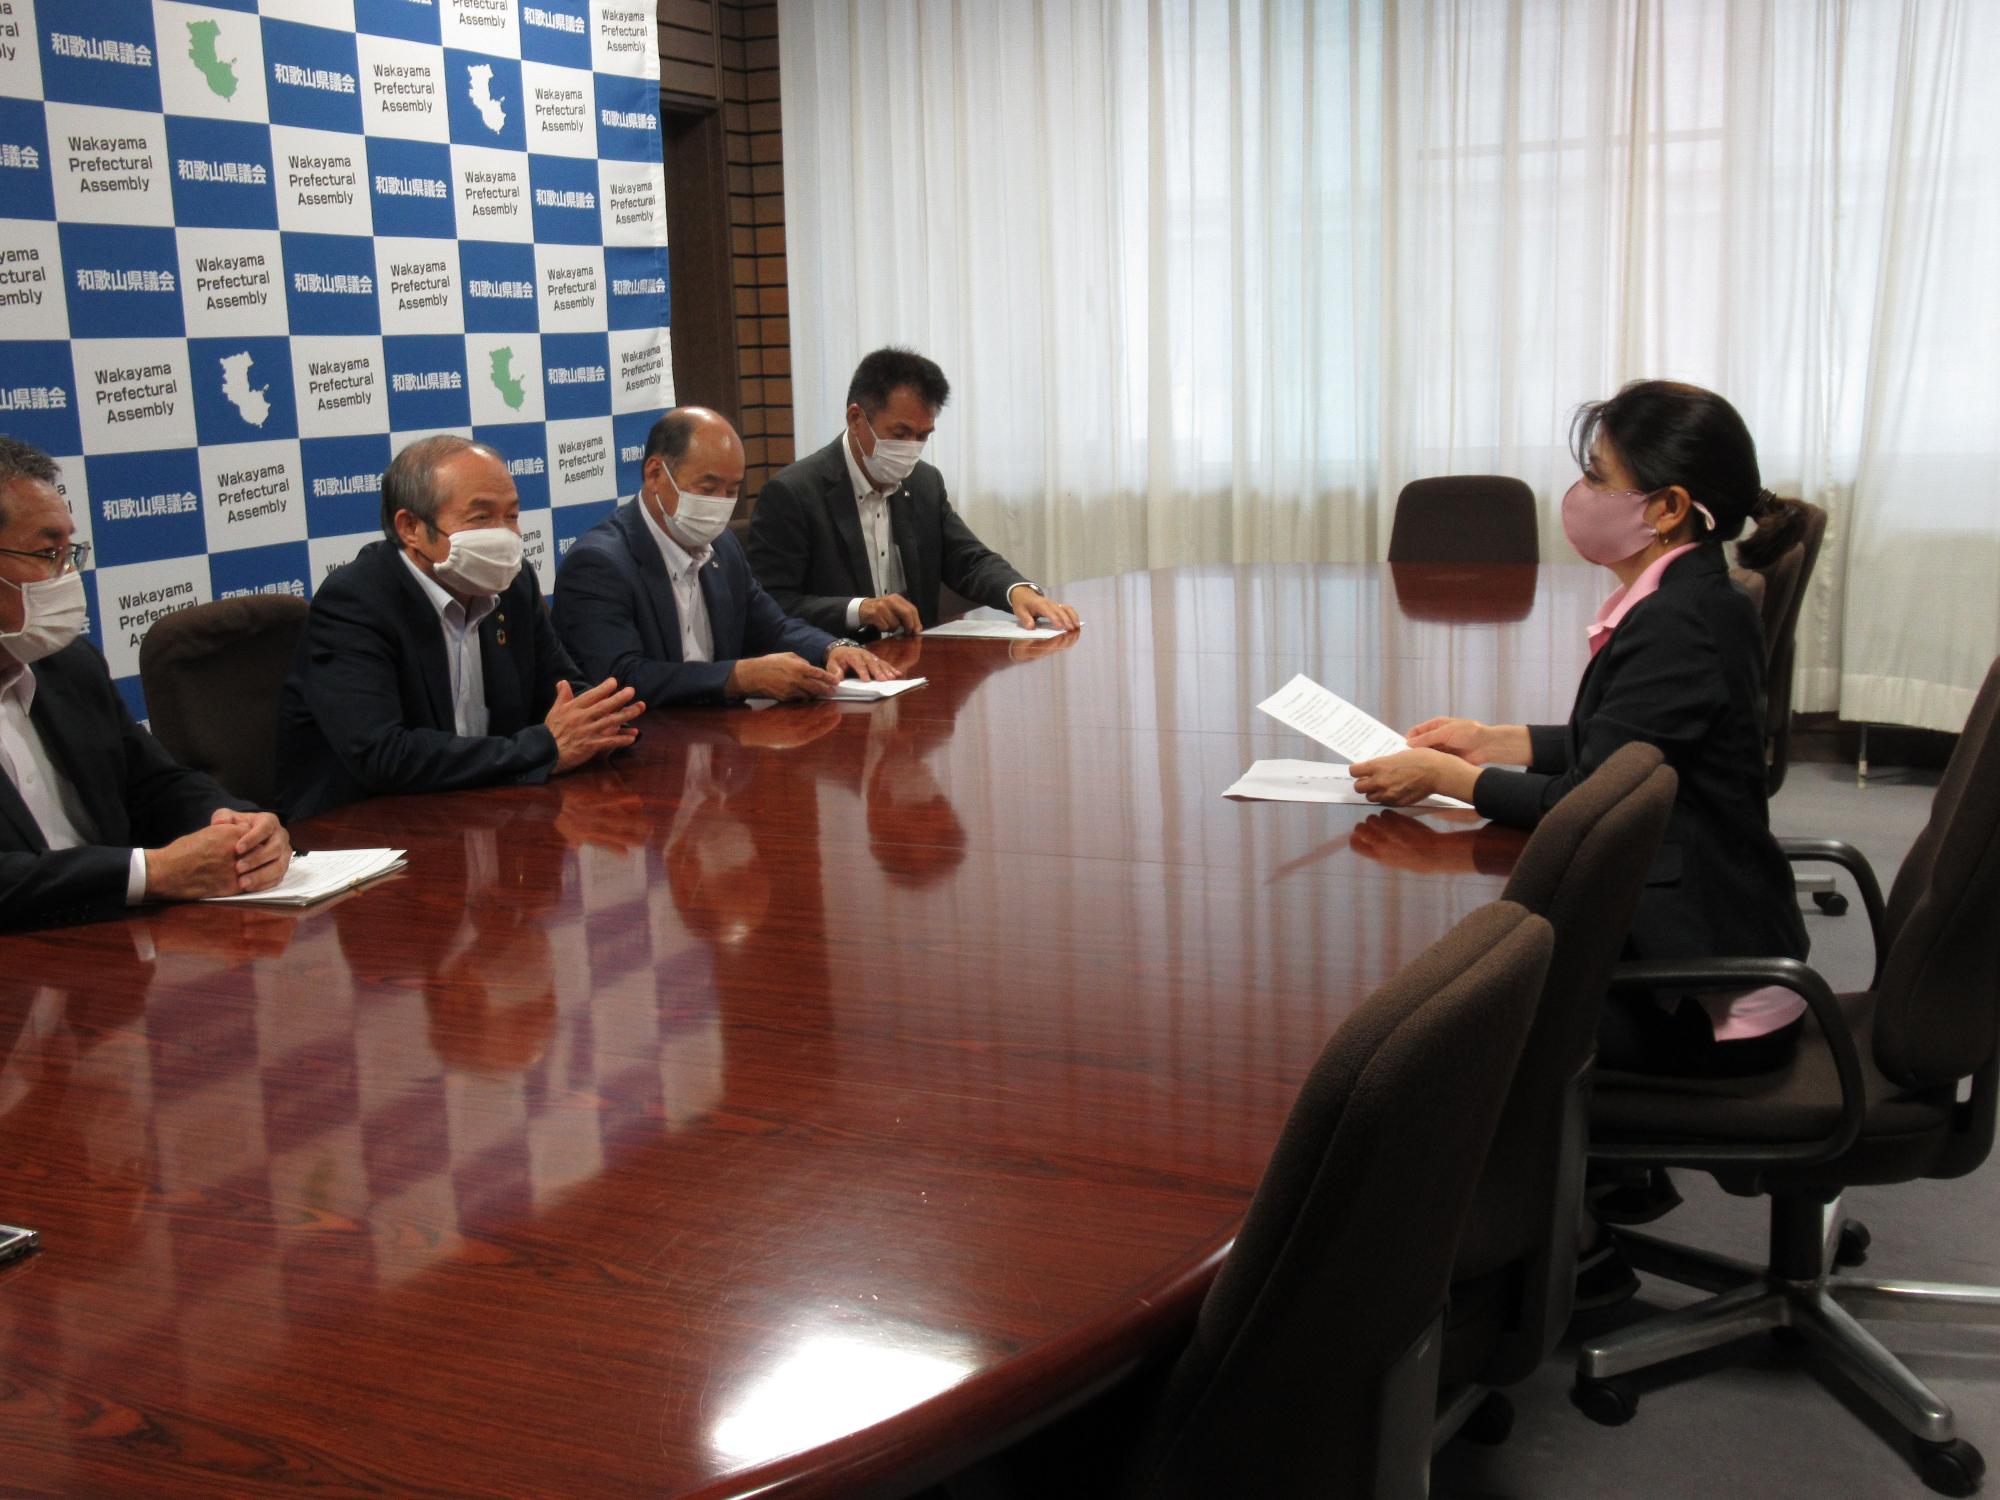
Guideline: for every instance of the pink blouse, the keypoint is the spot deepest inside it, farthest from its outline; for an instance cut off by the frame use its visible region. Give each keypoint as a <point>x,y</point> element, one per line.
<point>1619,605</point>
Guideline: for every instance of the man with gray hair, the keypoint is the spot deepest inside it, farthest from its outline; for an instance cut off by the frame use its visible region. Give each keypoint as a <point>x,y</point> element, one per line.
<point>94,814</point>
<point>428,663</point>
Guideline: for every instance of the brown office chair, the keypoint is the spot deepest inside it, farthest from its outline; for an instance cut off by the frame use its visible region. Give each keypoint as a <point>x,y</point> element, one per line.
<point>1752,583</point>
<point>1872,1098</point>
<point>1776,585</point>
<point>1513,1283</point>
<point>1465,518</point>
<point>211,675</point>
<point>1312,1366</point>
<point>1314,1356</point>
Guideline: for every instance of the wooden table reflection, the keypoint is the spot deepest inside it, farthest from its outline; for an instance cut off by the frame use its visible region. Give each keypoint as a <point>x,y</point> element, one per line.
<point>787,1108</point>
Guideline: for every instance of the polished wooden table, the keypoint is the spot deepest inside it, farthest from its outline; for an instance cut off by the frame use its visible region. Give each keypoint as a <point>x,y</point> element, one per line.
<point>793,1107</point>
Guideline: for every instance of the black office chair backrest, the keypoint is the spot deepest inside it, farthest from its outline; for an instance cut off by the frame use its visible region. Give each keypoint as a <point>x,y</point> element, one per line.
<point>1465,518</point>
<point>1787,579</point>
<point>211,675</point>
<point>1808,547</point>
<point>1781,591</point>
<point>1938,1001</point>
<point>1583,869</point>
<point>1339,1271</point>
<point>1752,583</point>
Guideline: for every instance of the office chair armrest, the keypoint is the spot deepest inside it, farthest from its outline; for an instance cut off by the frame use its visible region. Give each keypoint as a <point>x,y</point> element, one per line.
<point>1735,973</point>
<point>1852,860</point>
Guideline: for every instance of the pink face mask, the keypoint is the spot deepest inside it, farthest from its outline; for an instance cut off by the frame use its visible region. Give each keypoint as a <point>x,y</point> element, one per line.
<point>1608,526</point>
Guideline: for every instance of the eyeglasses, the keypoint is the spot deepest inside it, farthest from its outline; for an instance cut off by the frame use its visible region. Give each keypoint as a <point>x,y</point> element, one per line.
<point>58,560</point>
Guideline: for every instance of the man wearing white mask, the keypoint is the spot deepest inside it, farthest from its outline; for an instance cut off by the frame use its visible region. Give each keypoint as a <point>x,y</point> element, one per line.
<point>859,536</point>
<point>660,595</point>
<point>94,815</point>
<point>428,663</point>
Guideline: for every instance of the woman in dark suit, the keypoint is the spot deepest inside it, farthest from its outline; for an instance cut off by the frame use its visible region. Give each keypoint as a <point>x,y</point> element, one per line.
<point>1677,660</point>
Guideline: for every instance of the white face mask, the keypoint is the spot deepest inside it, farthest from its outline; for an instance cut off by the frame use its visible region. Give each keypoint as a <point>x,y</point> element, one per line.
<point>481,561</point>
<point>893,458</point>
<point>698,519</point>
<point>56,614</point>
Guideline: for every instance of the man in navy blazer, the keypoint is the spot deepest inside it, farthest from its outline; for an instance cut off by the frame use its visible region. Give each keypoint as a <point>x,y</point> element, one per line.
<point>660,595</point>
<point>428,663</point>
<point>94,815</point>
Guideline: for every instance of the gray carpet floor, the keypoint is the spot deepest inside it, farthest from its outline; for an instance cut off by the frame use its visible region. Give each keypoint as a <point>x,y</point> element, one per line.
<point>1753,1421</point>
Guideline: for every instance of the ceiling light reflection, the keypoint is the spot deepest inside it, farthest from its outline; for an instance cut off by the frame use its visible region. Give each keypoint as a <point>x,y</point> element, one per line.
<point>831,1384</point>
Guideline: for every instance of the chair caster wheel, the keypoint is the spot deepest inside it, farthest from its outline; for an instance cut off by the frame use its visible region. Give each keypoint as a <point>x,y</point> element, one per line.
<point>1833,903</point>
<point>1490,1423</point>
<point>1852,1246</point>
<point>1609,1403</point>
<point>1953,1468</point>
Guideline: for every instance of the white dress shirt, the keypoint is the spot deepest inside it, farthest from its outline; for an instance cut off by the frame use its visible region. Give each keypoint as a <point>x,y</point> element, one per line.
<point>461,650</point>
<point>50,798</point>
<point>684,574</point>
<point>885,561</point>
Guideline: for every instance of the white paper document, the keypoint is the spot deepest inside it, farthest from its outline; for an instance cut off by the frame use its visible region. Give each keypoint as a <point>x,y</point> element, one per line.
<point>1310,781</point>
<point>989,625</point>
<point>1304,705</point>
<point>325,872</point>
<point>988,630</point>
<point>854,690</point>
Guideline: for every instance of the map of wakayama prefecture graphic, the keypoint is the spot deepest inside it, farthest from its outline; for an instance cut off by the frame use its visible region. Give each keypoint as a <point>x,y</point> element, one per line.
<point>482,96</point>
<point>221,75</point>
<point>247,399</point>
<point>505,381</point>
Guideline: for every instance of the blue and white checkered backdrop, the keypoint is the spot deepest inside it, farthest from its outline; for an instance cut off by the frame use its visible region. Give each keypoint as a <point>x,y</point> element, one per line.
<point>251,247</point>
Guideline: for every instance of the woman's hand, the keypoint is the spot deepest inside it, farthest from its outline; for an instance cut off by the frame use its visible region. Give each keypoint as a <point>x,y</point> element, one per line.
<point>1475,743</point>
<point>1412,775</point>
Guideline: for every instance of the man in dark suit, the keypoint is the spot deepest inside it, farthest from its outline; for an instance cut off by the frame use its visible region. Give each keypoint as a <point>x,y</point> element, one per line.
<point>659,594</point>
<point>860,535</point>
<point>428,663</point>
<point>94,815</point>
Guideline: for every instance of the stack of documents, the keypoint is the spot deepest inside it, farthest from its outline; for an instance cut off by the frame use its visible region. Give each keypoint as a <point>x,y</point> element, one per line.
<point>326,872</point>
<point>1309,781</point>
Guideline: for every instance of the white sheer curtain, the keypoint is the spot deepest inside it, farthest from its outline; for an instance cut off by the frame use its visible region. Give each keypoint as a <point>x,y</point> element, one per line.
<point>1213,278</point>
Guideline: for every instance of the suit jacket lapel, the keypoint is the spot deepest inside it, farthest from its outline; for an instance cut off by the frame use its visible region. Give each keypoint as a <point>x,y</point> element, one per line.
<point>1702,560</point>
<point>1586,703</point>
<point>846,518</point>
<point>919,574</point>
<point>15,811</point>
<point>81,757</point>
<point>715,594</point>
<point>654,585</point>
<point>499,665</point>
<point>421,624</point>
